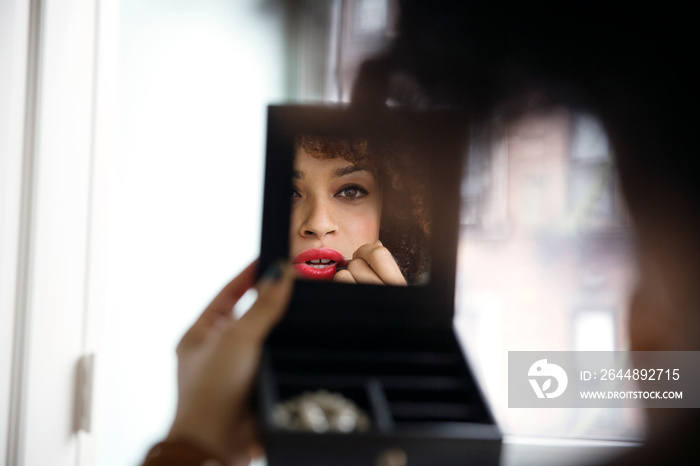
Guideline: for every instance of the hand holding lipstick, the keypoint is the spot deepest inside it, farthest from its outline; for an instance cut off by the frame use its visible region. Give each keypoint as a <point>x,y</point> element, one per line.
<point>372,264</point>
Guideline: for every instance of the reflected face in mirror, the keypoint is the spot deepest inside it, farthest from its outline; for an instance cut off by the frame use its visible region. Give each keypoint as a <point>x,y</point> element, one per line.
<point>359,211</point>
<point>336,209</point>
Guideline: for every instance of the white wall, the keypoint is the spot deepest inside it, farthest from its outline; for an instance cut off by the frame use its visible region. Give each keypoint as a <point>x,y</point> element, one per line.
<point>186,187</point>
<point>57,278</point>
<point>14,24</point>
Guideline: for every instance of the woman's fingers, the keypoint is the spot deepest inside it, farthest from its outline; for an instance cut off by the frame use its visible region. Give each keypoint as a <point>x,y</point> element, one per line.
<point>221,308</point>
<point>363,273</point>
<point>380,260</point>
<point>344,276</point>
<point>222,304</point>
<point>372,264</point>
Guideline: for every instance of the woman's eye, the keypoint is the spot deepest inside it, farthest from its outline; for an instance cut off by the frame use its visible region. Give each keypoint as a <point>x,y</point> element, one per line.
<point>352,192</point>
<point>295,194</point>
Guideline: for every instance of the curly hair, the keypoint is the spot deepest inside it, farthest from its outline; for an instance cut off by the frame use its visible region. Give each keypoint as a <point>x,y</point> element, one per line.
<point>405,223</point>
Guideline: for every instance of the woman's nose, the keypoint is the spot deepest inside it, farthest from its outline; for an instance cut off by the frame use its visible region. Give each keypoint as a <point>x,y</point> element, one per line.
<point>318,219</point>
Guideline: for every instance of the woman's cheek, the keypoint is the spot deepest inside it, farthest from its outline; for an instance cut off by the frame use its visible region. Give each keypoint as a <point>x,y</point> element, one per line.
<point>364,227</point>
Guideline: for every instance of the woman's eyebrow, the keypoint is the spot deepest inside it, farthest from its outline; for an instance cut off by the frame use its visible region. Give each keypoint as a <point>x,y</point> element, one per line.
<point>297,174</point>
<point>349,169</point>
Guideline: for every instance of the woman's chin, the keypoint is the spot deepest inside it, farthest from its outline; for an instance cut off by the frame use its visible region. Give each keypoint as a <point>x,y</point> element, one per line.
<point>310,272</point>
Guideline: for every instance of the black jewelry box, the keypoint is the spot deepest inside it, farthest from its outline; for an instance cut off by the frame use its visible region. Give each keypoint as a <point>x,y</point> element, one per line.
<point>391,350</point>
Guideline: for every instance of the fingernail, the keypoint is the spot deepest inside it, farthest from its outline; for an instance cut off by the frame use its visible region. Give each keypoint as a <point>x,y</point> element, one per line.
<point>275,271</point>
<point>379,243</point>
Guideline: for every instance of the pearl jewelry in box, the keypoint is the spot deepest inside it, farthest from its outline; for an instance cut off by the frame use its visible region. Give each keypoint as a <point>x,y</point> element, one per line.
<point>390,350</point>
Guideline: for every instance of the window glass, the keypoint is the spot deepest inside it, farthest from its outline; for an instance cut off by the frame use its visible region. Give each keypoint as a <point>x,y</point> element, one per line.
<point>545,261</point>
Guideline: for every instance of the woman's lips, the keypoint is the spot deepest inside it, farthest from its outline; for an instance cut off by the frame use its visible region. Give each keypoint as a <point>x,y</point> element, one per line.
<point>319,264</point>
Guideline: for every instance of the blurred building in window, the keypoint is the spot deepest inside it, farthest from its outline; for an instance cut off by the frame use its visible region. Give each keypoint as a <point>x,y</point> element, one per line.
<point>545,259</point>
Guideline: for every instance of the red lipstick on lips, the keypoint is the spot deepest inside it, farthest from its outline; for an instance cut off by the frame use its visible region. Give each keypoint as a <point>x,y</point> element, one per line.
<point>319,264</point>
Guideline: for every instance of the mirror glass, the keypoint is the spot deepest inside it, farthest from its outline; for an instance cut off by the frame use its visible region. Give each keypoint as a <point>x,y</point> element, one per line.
<point>359,211</point>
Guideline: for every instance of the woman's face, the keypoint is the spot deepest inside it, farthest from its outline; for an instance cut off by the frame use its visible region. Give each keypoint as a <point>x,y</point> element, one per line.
<point>336,208</point>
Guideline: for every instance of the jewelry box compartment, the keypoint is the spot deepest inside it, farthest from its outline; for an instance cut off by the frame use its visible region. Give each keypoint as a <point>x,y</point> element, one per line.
<point>415,388</point>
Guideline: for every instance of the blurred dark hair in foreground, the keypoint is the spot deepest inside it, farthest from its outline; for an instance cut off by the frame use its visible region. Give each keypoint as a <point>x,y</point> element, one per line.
<point>629,64</point>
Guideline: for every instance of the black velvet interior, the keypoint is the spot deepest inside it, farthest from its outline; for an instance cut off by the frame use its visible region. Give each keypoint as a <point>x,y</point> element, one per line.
<point>422,380</point>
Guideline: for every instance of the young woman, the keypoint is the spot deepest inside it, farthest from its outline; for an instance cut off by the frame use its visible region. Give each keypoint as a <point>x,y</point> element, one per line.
<point>355,216</point>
